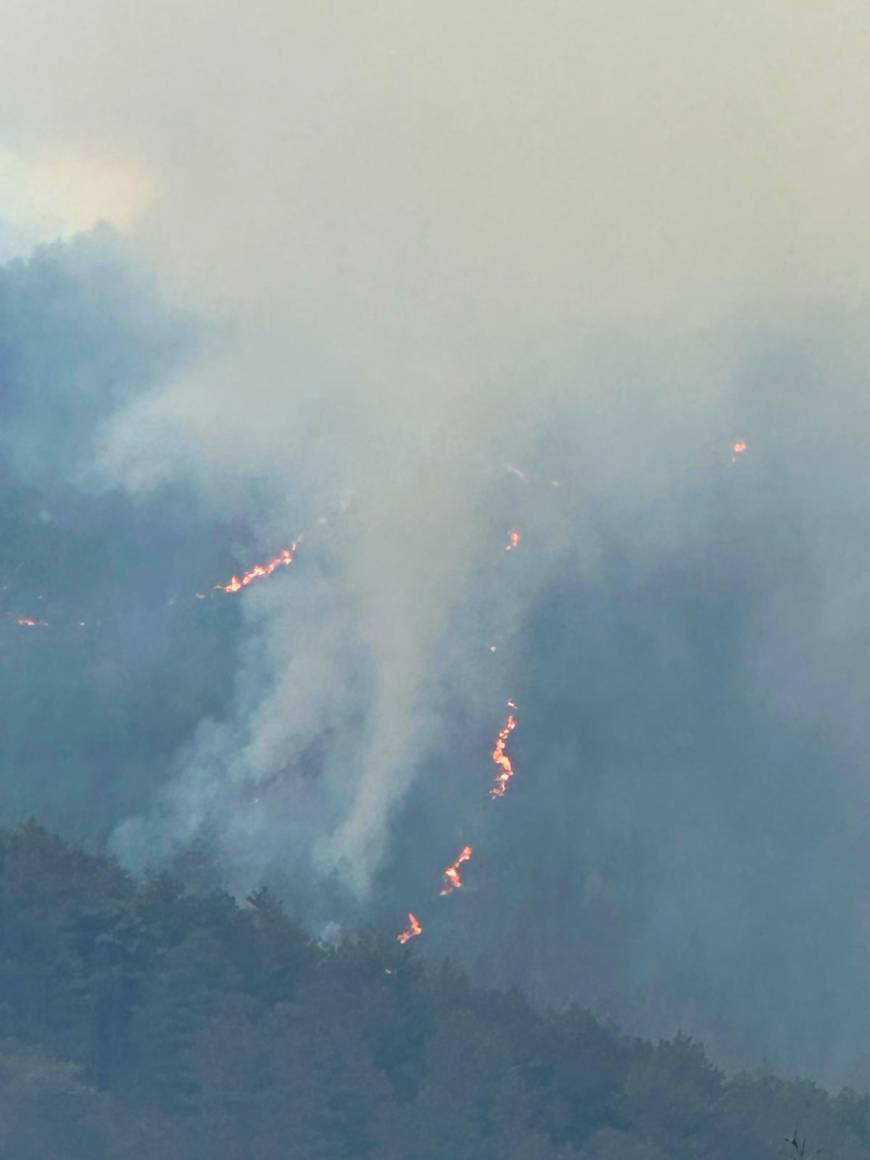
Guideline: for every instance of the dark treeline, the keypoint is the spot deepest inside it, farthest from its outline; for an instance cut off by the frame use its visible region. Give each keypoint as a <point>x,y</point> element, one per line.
<point>140,1019</point>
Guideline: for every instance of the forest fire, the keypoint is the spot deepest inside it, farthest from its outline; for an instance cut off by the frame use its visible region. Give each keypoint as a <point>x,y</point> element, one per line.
<point>514,538</point>
<point>501,759</point>
<point>452,877</point>
<point>30,622</point>
<point>737,448</point>
<point>284,558</point>
<point>412,930</point>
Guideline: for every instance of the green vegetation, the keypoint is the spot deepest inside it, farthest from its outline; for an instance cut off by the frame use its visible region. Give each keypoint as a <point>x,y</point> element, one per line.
<point>143,1020</point>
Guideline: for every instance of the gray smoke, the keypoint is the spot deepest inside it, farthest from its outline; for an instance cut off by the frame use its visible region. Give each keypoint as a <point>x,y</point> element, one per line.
<point>598,243</point>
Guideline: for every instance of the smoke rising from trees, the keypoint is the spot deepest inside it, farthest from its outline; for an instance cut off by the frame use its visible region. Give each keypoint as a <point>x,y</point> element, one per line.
<point>396,254</point>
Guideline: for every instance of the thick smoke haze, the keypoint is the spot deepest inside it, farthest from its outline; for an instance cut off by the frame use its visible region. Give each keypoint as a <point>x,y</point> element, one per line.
<point>98,697</point>
<point>398,253</point>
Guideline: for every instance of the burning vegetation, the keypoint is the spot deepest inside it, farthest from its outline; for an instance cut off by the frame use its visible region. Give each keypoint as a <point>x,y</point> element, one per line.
<point>283,560</point>
<point>413,930</point>
<point>452,877</point>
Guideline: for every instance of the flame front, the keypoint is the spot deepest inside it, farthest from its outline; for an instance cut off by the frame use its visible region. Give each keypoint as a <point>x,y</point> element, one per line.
<point>452,877</point>
<point>514,538</point>
<point>412,930</point>
<point>739,447</point>
<point>284,558</point>
<point>30,622</point>
<point>501,759</point>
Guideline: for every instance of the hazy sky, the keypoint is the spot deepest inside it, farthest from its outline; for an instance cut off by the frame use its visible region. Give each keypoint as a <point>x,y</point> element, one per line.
<point>598,241</point>
<point>491,164</point>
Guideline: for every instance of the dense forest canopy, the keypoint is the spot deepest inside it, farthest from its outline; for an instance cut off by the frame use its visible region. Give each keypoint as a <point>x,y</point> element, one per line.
<point>142,1019</point>
<point>158,1016</point>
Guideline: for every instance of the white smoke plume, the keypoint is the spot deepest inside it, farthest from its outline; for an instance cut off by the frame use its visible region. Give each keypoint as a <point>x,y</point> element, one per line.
<point>384,210</point>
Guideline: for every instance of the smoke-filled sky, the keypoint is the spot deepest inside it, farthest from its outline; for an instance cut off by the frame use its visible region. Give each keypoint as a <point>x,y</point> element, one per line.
<point>400,278</point>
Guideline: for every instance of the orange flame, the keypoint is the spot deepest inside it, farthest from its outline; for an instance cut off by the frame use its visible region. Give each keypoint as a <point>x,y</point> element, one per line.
<point>737,449</point>
<point>412,930</point>
<point>501,759</point>
<point>513,540</point>
<point>452,878</point>
<point>285,557</point>
<point>30,622</point>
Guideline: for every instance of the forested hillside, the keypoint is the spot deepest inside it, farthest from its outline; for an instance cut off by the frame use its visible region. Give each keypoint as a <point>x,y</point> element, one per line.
<point>141,1020</point>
